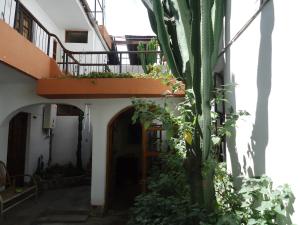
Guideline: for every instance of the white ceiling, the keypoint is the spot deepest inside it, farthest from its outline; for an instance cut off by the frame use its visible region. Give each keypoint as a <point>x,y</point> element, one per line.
<point>66,14</point>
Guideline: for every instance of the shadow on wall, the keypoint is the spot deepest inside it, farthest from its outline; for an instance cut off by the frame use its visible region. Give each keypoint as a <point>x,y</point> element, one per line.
<point>231,142</point>
<point>260,132</point>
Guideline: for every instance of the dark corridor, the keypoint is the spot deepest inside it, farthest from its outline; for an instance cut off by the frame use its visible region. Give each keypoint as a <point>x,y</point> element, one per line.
<point>125,162</point>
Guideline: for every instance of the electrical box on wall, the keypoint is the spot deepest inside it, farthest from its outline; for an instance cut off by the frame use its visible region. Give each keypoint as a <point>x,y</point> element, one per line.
<point>49,120</point>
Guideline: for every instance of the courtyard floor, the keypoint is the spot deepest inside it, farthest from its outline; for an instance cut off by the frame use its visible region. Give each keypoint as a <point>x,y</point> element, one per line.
<point>67,206</point>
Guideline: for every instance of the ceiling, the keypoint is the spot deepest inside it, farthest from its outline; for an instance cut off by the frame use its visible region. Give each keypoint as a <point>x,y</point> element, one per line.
<point>9,75</point>
<point>66,14</point>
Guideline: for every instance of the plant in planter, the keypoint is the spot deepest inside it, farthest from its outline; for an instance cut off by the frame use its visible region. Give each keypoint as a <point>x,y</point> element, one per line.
<point>148,59</point>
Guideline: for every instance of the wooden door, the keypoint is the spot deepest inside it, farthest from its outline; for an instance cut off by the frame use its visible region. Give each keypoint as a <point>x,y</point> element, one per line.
<point>152,145</point>
<point>17,144</point>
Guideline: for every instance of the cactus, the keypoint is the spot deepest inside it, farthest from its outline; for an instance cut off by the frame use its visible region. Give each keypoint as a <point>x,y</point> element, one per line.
<point>189,33</point>
<point>148,58</point>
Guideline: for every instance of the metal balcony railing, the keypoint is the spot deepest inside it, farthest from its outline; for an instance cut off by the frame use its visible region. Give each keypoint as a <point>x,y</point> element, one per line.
<point>14,13</point>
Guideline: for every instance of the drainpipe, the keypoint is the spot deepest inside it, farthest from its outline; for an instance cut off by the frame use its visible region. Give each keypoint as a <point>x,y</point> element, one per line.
<point>50,146</point>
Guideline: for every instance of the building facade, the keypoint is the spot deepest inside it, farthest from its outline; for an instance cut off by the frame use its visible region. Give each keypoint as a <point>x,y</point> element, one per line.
<point>44,44</point>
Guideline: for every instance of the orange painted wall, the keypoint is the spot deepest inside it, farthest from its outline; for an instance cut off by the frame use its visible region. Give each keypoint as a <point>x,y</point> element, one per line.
<point>18,52</point>
<point>102,88</point>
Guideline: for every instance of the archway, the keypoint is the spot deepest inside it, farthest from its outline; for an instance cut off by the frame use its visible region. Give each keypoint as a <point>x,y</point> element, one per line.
<point>124,161</point>
<point>65,145</point>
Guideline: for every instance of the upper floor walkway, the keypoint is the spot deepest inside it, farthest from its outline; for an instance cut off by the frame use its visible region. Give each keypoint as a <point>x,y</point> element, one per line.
<point>28,46</point>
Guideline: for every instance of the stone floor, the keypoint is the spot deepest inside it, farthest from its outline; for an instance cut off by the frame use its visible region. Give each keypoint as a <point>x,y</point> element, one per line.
<point>68,206</point>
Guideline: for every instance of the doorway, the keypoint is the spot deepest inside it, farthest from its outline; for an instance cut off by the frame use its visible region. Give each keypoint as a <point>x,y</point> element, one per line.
<point>124,170</point>
<point>17,142</point>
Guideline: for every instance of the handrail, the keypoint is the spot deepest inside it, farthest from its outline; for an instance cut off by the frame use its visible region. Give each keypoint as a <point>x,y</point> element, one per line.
<point>114,52</point>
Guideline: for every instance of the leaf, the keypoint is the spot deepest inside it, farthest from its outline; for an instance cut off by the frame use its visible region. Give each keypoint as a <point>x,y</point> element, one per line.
<point>216,140</point>
<point>279,210</point>
<point>252,222</point>
<point>147,124</point>
<point>188,137</point>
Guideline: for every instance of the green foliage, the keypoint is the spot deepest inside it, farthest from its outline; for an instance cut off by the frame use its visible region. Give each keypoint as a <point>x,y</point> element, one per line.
<point>104,75</point>
<point>189,34</point>
<point>158,72</point>
<point>107,75</point>
<point>176,125</point>
<point>227,197</point>
<point>148,59</point>
<point>163,73</point>
<point>146,111</point>
<point>225,129</point>
<point>256,202</point>
<point>168,198</point>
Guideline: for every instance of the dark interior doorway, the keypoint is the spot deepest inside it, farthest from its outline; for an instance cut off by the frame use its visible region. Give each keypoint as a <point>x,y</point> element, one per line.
<point>17,141</point>
<point>124,161</point>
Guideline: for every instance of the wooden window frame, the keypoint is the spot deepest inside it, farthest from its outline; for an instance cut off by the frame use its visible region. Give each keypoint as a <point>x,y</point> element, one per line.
<point>76,31</point>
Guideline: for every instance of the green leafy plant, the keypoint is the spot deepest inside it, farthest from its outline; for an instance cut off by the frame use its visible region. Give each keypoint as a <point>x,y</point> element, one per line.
<point>256,202</point>
<point>168,198</point>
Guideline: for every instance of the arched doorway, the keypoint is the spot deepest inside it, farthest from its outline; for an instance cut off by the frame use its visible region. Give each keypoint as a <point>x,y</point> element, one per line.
<point>35,143</point>
<point>124,161</point>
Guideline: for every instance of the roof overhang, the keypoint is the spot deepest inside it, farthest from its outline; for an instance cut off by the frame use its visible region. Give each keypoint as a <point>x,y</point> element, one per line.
<point>66,14</point>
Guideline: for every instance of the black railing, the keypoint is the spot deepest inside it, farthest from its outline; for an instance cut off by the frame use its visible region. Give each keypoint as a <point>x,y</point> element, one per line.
<point>14,13</point>
<point>85,63</point>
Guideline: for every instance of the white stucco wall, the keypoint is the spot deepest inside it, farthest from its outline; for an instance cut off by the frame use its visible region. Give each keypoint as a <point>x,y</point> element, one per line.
<point>37,139</point>
<point>262,62</point>
<point>65,140</point>
<point>42,16</point>
<point>64,145</point>
<point>39,37</point>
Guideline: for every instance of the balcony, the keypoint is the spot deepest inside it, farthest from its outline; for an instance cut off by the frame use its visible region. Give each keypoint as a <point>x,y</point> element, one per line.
<point>42,55</point>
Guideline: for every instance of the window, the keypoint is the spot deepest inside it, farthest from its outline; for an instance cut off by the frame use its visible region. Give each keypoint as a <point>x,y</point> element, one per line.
<point>23,23</point>
<point>77,36</point>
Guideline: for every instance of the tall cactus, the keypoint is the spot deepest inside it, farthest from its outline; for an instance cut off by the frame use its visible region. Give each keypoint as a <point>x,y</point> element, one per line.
<point>189,34</point>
